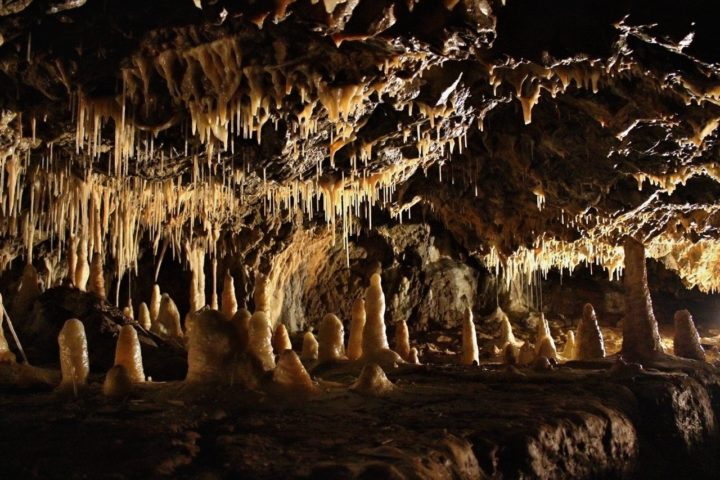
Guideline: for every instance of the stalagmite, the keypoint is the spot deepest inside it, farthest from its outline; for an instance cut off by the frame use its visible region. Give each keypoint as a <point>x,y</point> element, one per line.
<point>259,338</point>
<point>470,351</point>
<point>82,269</point>
<point>212,348</point>
<point>357,324</point>
<point>291,374</point>
<point>374,339</point>
<point>372,382</point>
<point>97,276</point>
<point>330,339</point>
<point>545,346</point>
<point>281,339</point>
<point>229,303</point>
<point>414,358</point>
<point>641,340</point>
<point>526,355</point>
<point>241,323</point>
<point>309,347</point>
<point>686,342</point>
<point>155,303</point>
<point>117,382</point>
<point>6,356</point>
<point>568,352</point>
<point>510,354</point>
<point>506,333</point>
<point>402,340</point>
<point>74,360</point>
<point>144,317</point>
<point>128,312</point>
<point>128,354</point>
<point>168,319</point>
<point>260,294</point>
<point>589,342</point>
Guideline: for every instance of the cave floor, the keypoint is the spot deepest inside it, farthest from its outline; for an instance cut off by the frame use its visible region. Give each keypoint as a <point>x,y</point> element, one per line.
<point>580,421</point>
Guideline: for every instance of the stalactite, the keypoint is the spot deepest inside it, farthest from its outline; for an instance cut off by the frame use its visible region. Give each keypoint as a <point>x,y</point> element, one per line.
<point>686,342</point>
<point>128,354</point>
<point>641,340</point>
<point>590,343</point>
<point>309,347</point>
<point>357,324</point>
<point>330,339</point>
<point>97,276</point>
<point>281,339</point>
<point>259,338</point>
<point>74,360</point>
<point>470,351</point>
<point>291,374</point>
<point>402,340</point>
<point>229,302</point>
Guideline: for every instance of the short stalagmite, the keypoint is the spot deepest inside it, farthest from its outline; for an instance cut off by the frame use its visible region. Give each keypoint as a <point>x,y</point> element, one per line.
<point>414,357</point>
<point>144,316</point>
<point>686,342</point>
<point>331,333</point>
<point>357,324</point>
<point>545,346</point>
<point>117,382</point>
<point>281,339</point>
<point>309,347</point>
<point>229,303</point>
<point>375,347</point>
<point>568,351</point>
<point>372,382</point>
<point>82,269</point>
<point>589,342</point>
<point>291,374</point>
<point>241,322</point>
<point>128,312</point>
<point>506,333</point>
<point>155,300</point>
<point>259,340</point>
<point>168,319</point>
<point>641,339</point>
<point>96,283</point>
<point>510,354</point>
<point>260,294</point>
<point>526,355</point>
<point>128,354</point>
<point>402,340</point>
<point>470,351</point>
<point>74,360</point>
<point>6,356</point>
<point>212,348</point>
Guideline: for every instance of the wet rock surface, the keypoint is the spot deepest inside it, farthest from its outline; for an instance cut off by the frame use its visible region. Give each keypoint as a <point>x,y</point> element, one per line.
<point>588,421</point>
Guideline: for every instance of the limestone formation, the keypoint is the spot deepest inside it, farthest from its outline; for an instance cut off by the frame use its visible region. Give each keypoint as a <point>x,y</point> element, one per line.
<point>372,382</point>
<point>291,374</point>
<point>128,353</point>
<point>117,382</point>
<point>74,360</point>
<point>506,332</point>
<point>470,351</point>
<point>168,319</point>
<point>82,269</point>
<point>28,292</point>
<point>545,346</point>
<point>212,348</point>
<point>569,350</point>
<point>144,316</point>
<point>229,303</point>
<point>375,347</point>
<point>259,340</point>
<point>260,294</point>
<point>686,342</point>
<point>97,276</point>
<point>641,340</point>
<point>241,323</point>
<point>357,324</point>
<point>414,357</point>
<point>128,312</point>
<point>526,355</point>
<point>155,300</point>
<point>281,339</point>
<point>402,340</point>
<point>330,339</point>
<point>590,343</point>
<point>309,347</point>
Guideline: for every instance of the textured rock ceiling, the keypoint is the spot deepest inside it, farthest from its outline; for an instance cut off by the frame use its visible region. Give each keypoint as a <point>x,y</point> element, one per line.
<point>538,133</point>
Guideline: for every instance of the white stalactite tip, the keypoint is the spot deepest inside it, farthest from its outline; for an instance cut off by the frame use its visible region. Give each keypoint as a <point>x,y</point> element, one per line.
<point>281,339</point>
<point>117,382</point>
<point>372,382</point>
<point>291,374</point>
<point>168,319</point>
<point>357,324</point>
<point>470,350</point>
<point>331,334</point>
<point>128,353</point>
<point>402,340</point>
<point>259,340</point>
<point>74,360</point>
<point>212,348</point>
<point>309,347</point>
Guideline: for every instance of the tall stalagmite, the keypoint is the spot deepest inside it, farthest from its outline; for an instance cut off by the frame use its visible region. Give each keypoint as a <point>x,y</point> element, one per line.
<point>74,360</point>
<point>686,342</point>
<point>144,316</point>
<point>374,339</point>
<point>330,339</point>
<point>128,354</point>
<point>357,324</point>
<point>259,340</point>
<point>470,351</point>
<point>641,340</point>
<point>589,342</point>
<point>229,303</point>
<point>402,340</point>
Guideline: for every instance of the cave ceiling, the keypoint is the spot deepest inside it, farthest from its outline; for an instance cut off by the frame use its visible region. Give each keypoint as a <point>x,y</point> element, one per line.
<point>539,134</point>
